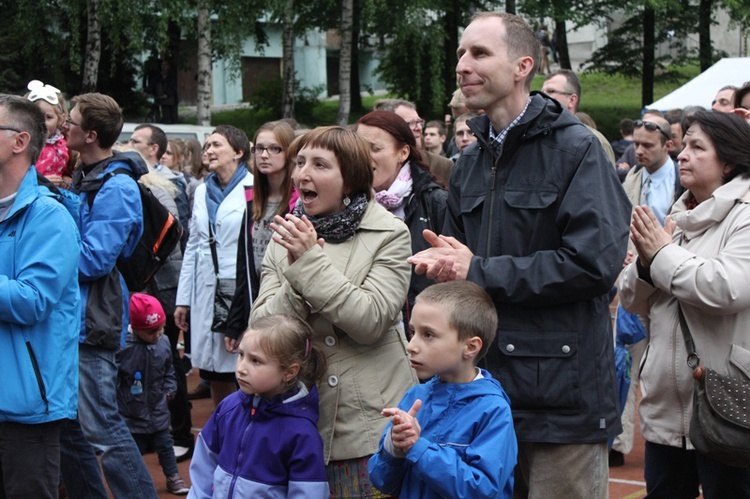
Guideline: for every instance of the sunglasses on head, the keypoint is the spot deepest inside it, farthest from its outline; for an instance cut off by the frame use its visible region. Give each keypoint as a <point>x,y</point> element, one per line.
<point>651,127</point>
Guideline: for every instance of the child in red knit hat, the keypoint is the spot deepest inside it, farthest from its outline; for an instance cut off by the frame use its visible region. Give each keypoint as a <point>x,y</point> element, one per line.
<point>146,382</point>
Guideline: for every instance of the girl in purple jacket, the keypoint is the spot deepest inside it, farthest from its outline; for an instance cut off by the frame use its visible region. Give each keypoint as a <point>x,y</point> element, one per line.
<point>263,440</point>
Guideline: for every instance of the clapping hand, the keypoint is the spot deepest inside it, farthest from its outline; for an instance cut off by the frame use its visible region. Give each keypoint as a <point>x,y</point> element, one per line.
<point>405,429</point>
<point>447,260</point>
<point>648,235</point>
<point>296,234</point>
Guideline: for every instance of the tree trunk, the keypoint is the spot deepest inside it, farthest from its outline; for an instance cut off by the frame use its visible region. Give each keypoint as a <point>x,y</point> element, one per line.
<point>704,34</point>
<point>354,85</point>
<point>450,25</point>
<point>345,62</point>
<point>93,47</point>
<point>561,41</point>
<point>287,100</point>
<point>510,6</point>
<point>204,64</point>
<point>649,48</point>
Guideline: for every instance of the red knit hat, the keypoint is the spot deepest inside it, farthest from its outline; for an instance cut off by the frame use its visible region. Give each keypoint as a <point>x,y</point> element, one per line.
<point>146,313</point>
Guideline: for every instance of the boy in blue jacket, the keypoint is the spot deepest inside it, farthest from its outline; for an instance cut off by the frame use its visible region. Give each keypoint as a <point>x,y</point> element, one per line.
<point>452,436</point>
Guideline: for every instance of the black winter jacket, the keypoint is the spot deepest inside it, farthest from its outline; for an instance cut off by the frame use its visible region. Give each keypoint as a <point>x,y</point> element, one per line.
<point>548,223</point>
<point>425,210</point>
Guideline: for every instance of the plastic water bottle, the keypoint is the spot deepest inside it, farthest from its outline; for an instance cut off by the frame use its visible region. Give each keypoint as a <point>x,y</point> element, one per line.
<point>137,387</point>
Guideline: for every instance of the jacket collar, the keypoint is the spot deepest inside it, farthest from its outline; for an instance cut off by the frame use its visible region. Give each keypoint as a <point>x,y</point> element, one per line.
<point>543,115</point>
<point>376,218</point>
<point>711,211</point>
<point>28,191</point>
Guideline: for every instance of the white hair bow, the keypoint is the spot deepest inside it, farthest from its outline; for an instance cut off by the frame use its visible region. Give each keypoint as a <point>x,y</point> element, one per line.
<point>40,91</point>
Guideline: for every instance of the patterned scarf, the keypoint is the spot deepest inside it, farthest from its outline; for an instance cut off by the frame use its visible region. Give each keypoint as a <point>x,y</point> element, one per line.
<point>338,227</point>
<point>54,137</point>
<point>398,192</point>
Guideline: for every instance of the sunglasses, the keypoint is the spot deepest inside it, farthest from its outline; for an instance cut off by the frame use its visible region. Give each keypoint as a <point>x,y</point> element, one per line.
<point>651,127</point>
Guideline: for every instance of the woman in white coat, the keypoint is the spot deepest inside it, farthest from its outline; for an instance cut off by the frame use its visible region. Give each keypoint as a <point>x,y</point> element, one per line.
<point>701,264</point>
<point>219,203</point>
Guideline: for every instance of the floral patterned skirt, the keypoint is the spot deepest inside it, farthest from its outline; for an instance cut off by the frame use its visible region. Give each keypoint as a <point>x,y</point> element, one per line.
<point>350,479</point>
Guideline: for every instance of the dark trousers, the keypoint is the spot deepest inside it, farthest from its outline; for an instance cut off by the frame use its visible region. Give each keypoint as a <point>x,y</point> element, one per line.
<point>29,460</point>
<point>676,473</point>
<point>161,443</point>
<point>179,406</point>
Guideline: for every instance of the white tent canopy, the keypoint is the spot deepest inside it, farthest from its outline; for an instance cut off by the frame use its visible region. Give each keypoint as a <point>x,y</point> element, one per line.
<point>701,90</point>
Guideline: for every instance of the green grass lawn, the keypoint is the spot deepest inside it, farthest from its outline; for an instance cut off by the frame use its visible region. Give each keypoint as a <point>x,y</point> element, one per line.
<point>606,98</point>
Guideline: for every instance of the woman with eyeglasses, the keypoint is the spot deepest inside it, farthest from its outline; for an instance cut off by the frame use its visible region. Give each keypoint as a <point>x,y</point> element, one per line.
<point>698,263</point>
<point>271,194</point>
<point>403,184</point>
<point>211,255</point>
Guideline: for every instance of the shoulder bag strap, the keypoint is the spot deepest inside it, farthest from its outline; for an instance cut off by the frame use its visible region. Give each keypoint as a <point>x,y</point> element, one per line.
<point>212,244</point>
<point>693,360</point>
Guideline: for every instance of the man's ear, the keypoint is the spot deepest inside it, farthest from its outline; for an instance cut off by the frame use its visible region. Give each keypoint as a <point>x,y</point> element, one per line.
<point>523,68</point>
<point>91,136</point>
<point>669,144</point>
<point>21,143</point>
<point>574,101</point>
<point>472,346</point>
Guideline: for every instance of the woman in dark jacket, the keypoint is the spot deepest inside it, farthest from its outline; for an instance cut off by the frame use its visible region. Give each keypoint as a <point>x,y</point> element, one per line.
<point>272,194</point>
<point>403,184</point>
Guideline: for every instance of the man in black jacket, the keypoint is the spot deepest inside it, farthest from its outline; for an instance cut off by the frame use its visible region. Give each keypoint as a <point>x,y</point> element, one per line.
<point>540,220</point>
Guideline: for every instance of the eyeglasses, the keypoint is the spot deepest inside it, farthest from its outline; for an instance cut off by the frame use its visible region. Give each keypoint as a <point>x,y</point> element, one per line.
<point>464,133</point>
<point>258,150</point>
<point>10,129</point>
<point>415,123</point>
<point>651,127</point>
<point>68,121</point>
<point>552,91</point>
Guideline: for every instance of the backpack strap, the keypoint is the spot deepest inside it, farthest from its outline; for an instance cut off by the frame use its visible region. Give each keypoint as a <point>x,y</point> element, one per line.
<point>104,178</point>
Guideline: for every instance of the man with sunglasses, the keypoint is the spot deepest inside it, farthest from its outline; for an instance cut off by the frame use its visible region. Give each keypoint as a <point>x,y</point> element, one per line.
<point>655,182</point>
<point>39,309</point>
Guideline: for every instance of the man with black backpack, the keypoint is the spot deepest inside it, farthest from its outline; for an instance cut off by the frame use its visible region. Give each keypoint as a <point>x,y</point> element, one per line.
<point>111,225</point>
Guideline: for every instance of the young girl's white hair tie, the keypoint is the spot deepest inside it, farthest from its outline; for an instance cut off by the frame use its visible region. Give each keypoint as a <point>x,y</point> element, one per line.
<point>40,91</point>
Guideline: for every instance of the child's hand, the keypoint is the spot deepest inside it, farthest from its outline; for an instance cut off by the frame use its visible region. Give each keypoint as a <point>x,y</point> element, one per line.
<point>405,430</point>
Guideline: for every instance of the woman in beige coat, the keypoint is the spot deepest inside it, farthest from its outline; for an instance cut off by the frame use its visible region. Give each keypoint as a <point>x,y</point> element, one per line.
<point>701,263</point>
<point>338,261</point>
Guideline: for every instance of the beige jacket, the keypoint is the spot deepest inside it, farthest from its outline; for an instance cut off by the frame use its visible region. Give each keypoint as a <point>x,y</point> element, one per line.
<point>706,268</point>
<point>351,294</point>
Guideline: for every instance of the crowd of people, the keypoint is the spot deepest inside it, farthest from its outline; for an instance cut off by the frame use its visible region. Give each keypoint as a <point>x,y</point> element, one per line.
<point>375,310</point>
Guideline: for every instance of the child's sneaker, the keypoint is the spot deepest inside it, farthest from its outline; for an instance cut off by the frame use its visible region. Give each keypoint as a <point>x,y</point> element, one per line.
<point>176,485</point>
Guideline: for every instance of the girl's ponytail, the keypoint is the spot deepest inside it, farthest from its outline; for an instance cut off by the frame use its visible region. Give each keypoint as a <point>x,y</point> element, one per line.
<point>313,366</point>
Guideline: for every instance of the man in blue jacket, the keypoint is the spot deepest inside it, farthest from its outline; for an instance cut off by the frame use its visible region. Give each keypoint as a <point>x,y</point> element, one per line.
<point>110,223</point>
<point>539,219</point>
<point>39,310</point>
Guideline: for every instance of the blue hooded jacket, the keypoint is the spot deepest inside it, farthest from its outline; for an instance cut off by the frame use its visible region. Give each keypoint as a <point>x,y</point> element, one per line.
<point>39,307</point>
<point>111,224</point>
<point>467,448</point>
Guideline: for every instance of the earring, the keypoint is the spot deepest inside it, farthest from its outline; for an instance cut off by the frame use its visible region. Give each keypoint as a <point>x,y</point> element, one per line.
<point>347,201</point>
